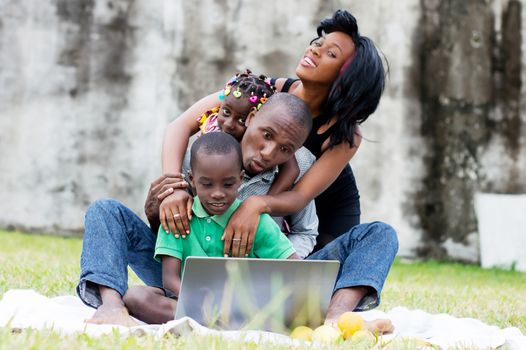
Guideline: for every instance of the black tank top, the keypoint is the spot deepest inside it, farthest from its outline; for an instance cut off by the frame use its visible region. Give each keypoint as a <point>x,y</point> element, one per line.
<point>315,140</point>
<point>342,197</point>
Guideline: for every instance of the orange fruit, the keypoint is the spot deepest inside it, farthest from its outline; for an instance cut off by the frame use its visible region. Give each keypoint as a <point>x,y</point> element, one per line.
<point>326,334</point>
<point>363,337</point>
<point>302,333</point>
<point>349,323</point>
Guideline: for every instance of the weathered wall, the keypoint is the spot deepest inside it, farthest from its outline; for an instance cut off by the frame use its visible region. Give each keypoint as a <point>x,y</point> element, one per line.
<point>456,95</point>
<point>85,93</point>
<point>87,87</point>
<point>451,124</point>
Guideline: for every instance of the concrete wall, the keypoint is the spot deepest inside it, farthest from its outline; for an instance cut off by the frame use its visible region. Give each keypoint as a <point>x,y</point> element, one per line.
<point>87,87</point>
<point>86,90</point>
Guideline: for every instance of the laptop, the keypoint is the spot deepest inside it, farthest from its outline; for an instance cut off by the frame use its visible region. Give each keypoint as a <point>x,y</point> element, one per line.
<point>256,294</point>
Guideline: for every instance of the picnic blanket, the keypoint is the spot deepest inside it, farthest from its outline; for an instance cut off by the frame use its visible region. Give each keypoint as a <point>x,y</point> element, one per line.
<point>66,314</point>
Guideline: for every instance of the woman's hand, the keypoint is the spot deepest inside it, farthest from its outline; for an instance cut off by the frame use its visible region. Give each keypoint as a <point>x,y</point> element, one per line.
<point>175,213</point>
<point>160,189</point>
<point>241,228</point>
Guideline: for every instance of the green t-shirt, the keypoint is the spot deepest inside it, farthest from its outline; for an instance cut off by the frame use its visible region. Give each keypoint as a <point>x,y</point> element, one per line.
<point>205,237</point>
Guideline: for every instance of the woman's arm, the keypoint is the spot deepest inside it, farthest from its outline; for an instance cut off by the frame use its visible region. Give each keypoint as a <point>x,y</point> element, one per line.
<point>318,178</point>
<point>284,180</point>
<point>178,133</point>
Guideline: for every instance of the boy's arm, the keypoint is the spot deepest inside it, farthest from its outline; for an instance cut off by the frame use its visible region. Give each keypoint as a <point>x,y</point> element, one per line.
<point>288,172</point>
<point>294,256</point>
<point>169,251</point>
<point>171,273</point>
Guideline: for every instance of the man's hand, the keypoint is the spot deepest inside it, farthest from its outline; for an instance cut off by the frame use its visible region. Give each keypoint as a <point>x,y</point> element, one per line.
<point>241,228</point>
<point>159,190</point>
<point>176,212</point>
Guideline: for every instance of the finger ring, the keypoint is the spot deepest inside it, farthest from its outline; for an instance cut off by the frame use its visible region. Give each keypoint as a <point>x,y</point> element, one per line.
<point>236,239</point>
<point>176,215</point>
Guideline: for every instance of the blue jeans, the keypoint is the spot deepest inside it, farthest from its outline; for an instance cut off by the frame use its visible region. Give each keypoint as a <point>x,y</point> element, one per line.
<point>115,237</point>
<point>366,253</point>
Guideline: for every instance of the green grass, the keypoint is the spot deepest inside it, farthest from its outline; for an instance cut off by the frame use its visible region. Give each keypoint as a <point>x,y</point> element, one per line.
<point>494,296</point>
<point>50,265</point>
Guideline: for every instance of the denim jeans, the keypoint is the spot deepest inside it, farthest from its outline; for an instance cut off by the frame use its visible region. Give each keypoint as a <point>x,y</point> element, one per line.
<point>115,237</point>
<point>366,253</point>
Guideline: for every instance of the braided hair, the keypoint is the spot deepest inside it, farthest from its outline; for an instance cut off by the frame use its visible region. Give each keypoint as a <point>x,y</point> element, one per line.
<point>356,92</point>
<point>257,88</point>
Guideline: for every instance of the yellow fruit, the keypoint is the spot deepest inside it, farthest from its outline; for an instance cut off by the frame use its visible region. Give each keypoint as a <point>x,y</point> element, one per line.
<point>349,323</point>
<point>326,334</point>
<point>363,337</point>
<point>302,333</point>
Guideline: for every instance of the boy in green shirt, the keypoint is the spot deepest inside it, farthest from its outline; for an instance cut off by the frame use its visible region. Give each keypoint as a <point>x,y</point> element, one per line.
<point>216,174</point>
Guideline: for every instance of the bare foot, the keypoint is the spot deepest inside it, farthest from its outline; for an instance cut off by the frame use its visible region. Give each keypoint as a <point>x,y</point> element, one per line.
<point>343,300</point>
<point>380,326</point>
<point>112,314</point>
<point>346,299</point>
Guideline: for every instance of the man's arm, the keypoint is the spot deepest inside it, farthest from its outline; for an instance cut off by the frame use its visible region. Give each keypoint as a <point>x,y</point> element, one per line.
<point>160,189</point>
<point>304,224</point>
<point>304,230</point>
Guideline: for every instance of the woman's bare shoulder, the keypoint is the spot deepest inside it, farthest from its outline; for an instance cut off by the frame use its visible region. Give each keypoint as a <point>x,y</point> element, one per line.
<point>280,82</point>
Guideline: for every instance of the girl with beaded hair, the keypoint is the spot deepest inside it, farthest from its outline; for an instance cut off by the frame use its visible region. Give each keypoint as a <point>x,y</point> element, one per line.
<point>243,93</point>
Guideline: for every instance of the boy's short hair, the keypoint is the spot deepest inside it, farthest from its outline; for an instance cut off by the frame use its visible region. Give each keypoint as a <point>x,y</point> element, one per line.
<point>294,106</point>
<point>219,143</point>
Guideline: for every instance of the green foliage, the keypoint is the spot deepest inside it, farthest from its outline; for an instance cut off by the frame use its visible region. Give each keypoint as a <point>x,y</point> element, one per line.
<point>50,265</point>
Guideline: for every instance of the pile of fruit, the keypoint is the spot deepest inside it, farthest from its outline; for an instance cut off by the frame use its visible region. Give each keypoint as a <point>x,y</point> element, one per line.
<point>350,327</point>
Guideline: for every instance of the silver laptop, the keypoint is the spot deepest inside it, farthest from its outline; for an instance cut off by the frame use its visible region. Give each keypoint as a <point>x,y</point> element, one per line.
<point>262,294</point>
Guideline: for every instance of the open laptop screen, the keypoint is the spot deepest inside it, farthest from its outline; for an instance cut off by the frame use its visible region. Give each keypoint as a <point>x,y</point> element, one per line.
<point>264,294</point>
